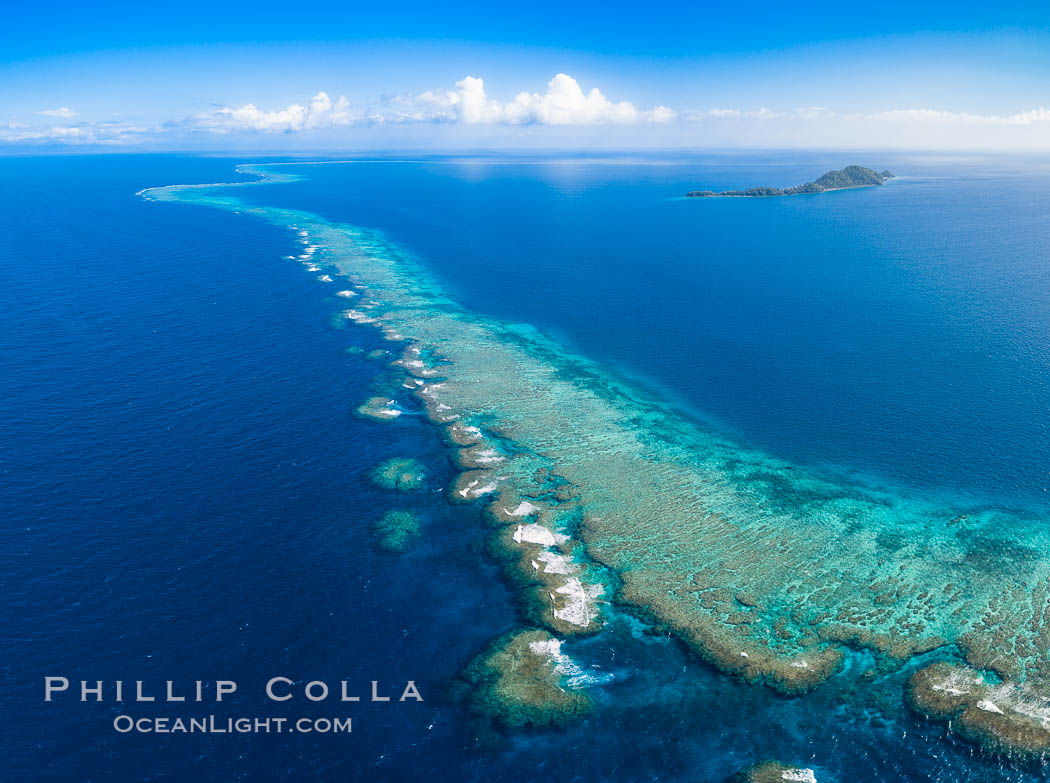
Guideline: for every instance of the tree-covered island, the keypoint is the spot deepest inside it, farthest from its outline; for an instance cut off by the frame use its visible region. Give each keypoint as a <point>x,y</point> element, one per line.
<point>842,179</point>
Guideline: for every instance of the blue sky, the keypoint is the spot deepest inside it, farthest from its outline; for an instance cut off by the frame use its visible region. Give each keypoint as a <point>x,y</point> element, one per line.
<point>346,76</point>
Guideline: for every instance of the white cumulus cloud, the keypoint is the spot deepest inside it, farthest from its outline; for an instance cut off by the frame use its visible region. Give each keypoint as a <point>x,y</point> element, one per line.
<point>320,112</point>
<point>563,103</point>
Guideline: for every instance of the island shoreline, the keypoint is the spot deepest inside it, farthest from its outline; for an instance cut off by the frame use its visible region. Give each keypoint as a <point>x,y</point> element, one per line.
<point>849,178</point>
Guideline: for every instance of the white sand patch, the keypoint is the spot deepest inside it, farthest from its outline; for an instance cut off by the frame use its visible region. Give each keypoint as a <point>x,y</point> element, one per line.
<point>578,607</point>
<point>988,706</point>
<point>485,490</point>
<point>359,318</point>
<point>550,650</point>
<point>389,412</point>
<point>555,563</point>
<point>463,434</point>
<point>799,775</point>
<point>537,534</point>
<point>523,509</point>
<point>957,683</point>
<point>1022,701</point>
<point>473,490</point>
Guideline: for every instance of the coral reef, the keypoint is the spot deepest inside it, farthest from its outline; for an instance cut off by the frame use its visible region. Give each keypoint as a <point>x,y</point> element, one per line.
<point>399,473</point>
<point>765,569</point>
<point>381,408</point>
<point>1001,716</point>
<point>396,531</point>
<point>775,772</point>
<point>518,682</point>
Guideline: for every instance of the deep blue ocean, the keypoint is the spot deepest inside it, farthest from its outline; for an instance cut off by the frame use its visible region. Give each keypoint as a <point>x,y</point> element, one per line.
<point>185,487</point>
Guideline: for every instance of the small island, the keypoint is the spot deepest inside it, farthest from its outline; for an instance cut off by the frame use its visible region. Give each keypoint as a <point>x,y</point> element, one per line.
<point>842,179</point>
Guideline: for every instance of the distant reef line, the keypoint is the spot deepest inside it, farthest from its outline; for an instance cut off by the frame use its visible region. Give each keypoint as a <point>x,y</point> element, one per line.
<point>840,179</point>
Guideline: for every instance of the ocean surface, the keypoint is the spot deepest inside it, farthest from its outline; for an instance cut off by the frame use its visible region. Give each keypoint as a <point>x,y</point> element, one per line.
<point>187,493</point>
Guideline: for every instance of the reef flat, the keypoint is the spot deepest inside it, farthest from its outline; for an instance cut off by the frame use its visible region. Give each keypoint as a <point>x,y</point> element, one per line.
<point>775,772</point>
<point>594,492</point>
<point>520,681</point>
<point>1000,716</point>
<point>839,179</point>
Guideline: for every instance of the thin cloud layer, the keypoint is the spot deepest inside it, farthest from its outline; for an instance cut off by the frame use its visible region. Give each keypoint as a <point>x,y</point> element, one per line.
<point>898,116</point>
<point>1034,117</point>
<point>556,112</point>
<point>563,103</point>
<point>64,113</point>
<point>104,133</point>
